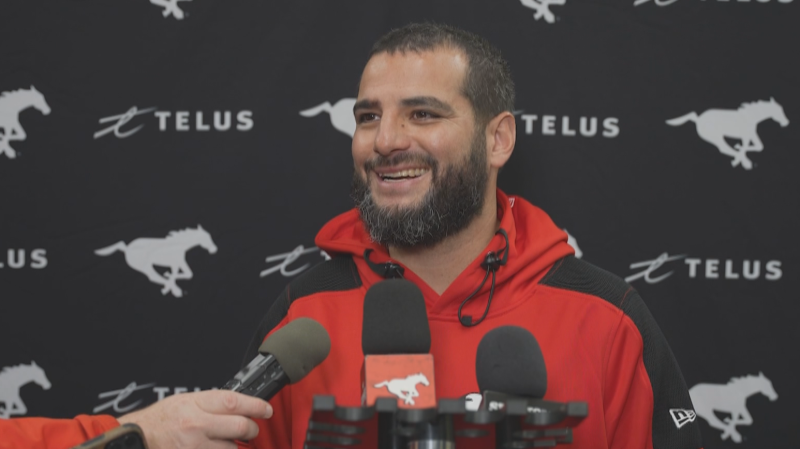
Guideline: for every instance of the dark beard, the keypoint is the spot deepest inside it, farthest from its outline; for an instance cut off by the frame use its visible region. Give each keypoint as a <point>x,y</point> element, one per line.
<point>455,198</point>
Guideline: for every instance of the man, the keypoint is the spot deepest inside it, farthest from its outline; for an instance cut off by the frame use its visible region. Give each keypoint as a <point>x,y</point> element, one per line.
<point>434,127</point>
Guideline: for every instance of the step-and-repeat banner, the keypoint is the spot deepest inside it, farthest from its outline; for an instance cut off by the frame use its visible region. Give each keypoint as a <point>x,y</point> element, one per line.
<point>166,164</point>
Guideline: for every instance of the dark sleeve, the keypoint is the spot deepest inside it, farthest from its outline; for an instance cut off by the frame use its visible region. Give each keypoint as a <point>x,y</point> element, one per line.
<point>644,382</point>
<point>645,396</point>
<point>338,274</point>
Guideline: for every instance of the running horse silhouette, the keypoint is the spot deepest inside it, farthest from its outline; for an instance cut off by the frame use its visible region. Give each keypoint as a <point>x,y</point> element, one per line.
<point>170,8</point>
<point>144,254</point>
<point>11,104</point>
<point>14,377</point>
<point>405,389</point>
<point>542,8</point>
<point>714,125</point>
<point>341,114</point>
<point>730,398</point>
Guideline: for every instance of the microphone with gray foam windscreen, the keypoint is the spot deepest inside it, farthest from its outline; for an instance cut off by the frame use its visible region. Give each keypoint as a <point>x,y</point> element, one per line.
<point>286,357</point>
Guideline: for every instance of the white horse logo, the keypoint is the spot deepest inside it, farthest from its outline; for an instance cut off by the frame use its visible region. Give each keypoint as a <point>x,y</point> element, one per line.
<point>714,125</point>
<point>11,104</point>
<point>542,8</point>
<point>144,254</point>
<point>11,379</point>
<point>405,389</point>
<point>341,114</point>
<point>170,8</point>
<point>730,398</point>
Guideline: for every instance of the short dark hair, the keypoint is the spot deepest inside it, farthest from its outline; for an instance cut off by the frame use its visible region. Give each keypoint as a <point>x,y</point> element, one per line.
<point>487,83</point>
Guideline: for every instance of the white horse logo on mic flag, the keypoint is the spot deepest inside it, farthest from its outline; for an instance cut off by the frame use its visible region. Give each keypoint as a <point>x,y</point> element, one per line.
<point>405,389</point>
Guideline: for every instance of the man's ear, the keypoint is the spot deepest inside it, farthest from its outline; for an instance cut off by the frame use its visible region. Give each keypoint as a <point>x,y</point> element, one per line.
<point>501,135</point>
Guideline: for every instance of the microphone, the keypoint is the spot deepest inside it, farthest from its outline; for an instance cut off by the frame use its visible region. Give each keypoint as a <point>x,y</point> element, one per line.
<point>286,357</point>
<point>511,372</point>
<point>396,340</point>
<point>509,360</point>
<point>509,364</point>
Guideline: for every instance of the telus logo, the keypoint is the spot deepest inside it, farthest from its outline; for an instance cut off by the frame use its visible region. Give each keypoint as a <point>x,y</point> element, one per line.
<point>21,258</point>
<point>126,124</point>
<point>552,125</point>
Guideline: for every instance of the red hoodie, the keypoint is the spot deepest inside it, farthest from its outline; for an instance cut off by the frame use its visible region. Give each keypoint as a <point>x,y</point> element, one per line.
<point>599,342</point>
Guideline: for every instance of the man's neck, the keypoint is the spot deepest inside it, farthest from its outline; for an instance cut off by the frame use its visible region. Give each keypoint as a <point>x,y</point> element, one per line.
<point>441,264</point>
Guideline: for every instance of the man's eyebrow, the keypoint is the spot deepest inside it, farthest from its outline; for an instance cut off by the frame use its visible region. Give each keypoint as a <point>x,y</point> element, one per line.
<point>427,101</point>
<point>366,104</point>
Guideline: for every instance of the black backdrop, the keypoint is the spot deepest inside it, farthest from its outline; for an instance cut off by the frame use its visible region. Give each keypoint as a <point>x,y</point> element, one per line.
<point>257,184</point>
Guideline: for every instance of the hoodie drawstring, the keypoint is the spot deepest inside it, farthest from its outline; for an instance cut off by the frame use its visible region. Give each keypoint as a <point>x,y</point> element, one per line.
<point>492,262</point>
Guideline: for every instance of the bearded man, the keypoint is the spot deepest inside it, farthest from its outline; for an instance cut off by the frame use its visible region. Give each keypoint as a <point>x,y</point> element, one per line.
<point>434,127</point>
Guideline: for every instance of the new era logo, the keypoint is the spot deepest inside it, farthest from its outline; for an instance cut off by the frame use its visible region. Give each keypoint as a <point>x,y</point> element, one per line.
<point>682,416</point>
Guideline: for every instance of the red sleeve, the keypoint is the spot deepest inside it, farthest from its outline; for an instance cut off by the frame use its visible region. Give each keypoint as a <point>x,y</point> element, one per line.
<point>45,433</point>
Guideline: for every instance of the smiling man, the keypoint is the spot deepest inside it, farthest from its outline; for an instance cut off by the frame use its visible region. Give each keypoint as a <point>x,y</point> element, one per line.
<point>434,127</point>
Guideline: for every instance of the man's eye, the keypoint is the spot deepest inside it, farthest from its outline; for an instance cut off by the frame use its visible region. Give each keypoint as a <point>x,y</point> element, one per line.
<point>423,115</point>
<point>368,117</point>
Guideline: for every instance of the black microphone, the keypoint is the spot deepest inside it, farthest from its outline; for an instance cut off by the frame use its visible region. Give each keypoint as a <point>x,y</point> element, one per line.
<point>396,340</point>
<point>509,360</point>
<point>509,364</point>
<point>395,319</point>
<point>511,372</point>
<point>286,357</point>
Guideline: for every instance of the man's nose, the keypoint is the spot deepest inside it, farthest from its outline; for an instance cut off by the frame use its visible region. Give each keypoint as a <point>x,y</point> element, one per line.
<point>392,136</point>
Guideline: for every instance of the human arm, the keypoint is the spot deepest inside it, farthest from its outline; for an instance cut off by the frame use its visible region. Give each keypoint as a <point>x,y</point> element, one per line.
<point>47,433</point>
<point>200,420</point>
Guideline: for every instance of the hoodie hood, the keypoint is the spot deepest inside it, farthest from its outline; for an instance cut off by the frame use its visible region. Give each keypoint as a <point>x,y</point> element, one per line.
<point>535,243</point>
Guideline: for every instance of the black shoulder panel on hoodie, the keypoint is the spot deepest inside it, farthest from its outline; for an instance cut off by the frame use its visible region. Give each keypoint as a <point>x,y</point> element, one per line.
<point>338,274</point>
<point>674,422</point>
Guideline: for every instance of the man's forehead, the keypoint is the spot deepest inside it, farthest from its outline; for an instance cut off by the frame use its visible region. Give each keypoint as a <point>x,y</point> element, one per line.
<point>436,72</point>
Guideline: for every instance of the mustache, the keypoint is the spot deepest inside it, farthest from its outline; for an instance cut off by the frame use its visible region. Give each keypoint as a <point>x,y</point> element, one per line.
<point>380,161</point>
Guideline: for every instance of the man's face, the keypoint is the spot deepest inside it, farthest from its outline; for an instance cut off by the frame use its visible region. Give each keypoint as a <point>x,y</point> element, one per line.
<point>420,163</point>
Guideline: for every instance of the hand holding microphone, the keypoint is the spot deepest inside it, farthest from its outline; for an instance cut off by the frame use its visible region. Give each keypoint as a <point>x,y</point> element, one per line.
<point>213,419</point>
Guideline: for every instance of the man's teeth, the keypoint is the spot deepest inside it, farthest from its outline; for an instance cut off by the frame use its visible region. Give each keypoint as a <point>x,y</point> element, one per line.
<point>405,173</point>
